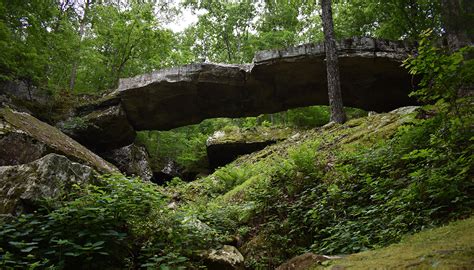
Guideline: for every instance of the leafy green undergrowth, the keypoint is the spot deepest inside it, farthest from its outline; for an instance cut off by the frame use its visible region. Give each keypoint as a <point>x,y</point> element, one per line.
<point>447,247</point>
<point>124,223</point>
<point>187,145</point>
<point>332,190</point>
<point>341,188</point>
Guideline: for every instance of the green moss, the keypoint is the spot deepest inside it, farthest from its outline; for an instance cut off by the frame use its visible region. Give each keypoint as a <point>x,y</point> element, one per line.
<point>330,189</point>
<point>347,137</point>
<point>447,247</point>
<point>255,134</point>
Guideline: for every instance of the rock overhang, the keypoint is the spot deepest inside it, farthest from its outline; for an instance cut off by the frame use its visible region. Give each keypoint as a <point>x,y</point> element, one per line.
<point>371,78</point>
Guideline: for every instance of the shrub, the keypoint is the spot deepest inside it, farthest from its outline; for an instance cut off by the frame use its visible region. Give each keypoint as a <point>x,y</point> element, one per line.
<point>124,222</point>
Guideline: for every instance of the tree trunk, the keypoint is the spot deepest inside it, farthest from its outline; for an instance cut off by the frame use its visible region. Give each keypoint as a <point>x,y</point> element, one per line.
<point>458,22</point>
<point>334,85</point>
<point>75,64</point>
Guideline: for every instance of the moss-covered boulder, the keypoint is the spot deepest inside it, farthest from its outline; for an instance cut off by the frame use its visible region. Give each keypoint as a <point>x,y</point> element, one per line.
<point>224,146</point>
<point>23,138</point>
<point>446,247</point>
<point>50,177</point>
<point>225,258</point>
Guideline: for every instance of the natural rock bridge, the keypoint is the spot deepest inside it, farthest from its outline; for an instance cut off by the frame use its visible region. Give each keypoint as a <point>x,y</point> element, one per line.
<point>277,80</point>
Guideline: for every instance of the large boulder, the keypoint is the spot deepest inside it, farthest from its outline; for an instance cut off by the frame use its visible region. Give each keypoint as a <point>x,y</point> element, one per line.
<point>50,177</point>
<point>17,147</point>
<point>225,146</point>
<point>225,258</point>
<point>131,160</point>
<point>102,129</point>
<point>23,138</point>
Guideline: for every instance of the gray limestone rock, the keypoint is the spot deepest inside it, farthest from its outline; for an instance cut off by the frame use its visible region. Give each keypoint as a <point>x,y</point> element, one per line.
<point>225,258</point>
<point>225,146</point>
<point>371,79</point>
<point>131,160</point>
<point>277,80</point>
<point>101,130</point>
<point>24,138</point>
<point>17,147</point>
<point>50,177</point>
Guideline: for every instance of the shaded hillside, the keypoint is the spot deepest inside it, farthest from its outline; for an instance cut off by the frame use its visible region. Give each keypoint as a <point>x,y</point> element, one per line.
<point>340,188</point>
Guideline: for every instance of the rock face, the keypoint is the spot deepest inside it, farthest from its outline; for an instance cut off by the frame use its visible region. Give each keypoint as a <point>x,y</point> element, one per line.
<point>372,79</point>
<point>21,90</point>
<point>17,147</point>
<point>101,129</point>
<point>168,171</point>
<point>23,132</point>
<point>277,80</point>
<point>224,147</point>
<point>225,258</point>
<point>52,176</point>
<point>131,160</point>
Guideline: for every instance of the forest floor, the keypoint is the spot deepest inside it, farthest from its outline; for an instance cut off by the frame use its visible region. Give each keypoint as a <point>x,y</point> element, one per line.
<point>447,247</point>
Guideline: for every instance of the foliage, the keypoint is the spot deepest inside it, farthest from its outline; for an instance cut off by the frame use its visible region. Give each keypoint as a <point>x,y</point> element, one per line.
<point>48,43</point>
<point>392,19</point>
<point>123,222</point>
<point>128,42</point>
<point>444,75</point>
<point>330,197</point>
<point>424,248</point>
<point>187,145</point>
<point>223,31</point>
<point>184,145</point>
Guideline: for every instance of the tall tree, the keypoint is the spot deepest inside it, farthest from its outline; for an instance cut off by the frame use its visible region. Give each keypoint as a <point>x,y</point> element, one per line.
<point>222,32</point>
<point>334,85</point>
<point>126,42</point>
<point>457,16</point>
<point>391,19</point>
<point>82,27</point>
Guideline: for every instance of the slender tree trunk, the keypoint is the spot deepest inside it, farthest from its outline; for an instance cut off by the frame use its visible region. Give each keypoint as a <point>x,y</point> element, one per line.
<point>334,85</point>
<point>75,64</point>
<point>458,22</point>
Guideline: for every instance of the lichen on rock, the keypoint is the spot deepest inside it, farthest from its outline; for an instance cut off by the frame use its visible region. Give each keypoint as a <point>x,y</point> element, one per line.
<point>50,177</point>
<point>225,258</point>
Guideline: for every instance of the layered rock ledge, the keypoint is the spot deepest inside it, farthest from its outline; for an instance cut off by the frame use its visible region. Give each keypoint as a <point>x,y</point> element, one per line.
<point>23,139</point>
<point>277,80</point>
<point>372,79</point>
<point>225,146</point>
